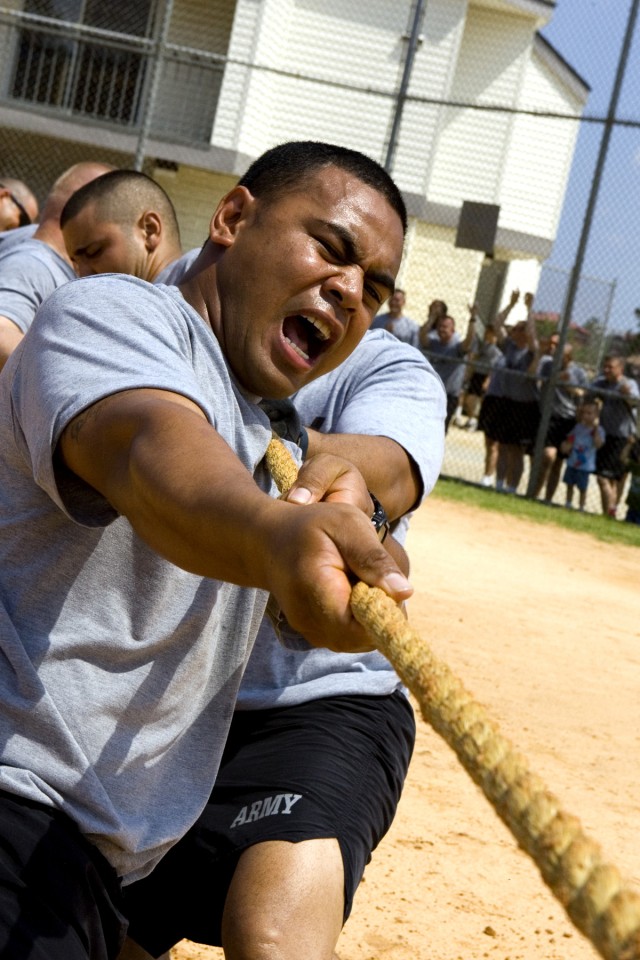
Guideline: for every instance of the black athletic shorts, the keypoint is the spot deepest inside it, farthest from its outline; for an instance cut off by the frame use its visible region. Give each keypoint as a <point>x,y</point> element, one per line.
<point>558,430</point>
<point>476,384</point>
<point>333,767</point>
<point>521,422</point>
<point>492,417</point>
<point>59,898</point>
<point>608,462</point>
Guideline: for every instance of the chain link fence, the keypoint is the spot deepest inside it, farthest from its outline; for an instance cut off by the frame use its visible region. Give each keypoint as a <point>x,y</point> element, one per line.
<point>478,116</point>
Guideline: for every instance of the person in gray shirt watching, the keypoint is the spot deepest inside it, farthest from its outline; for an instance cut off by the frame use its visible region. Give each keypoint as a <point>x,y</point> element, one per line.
<point>618,418</point>
<point>396,321</point>
<point>447,353</point>
<point>570,387</point>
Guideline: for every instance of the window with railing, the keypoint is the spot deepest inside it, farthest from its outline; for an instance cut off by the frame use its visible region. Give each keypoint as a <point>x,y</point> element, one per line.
<point>106,60</point>
<point>84,57</point>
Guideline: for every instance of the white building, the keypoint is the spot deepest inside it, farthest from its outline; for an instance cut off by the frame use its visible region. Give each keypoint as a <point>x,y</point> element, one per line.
<point>491,113</point>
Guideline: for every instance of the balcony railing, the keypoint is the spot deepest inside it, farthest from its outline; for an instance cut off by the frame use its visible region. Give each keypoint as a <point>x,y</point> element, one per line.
<point>83,73</point>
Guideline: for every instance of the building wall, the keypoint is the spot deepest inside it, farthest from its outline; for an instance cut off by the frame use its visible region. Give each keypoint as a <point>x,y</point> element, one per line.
<point>537,166</point>
<point>471,150</point>
<point>249,97</point>
<point>433,269</point>
<point>432,78</point>
<point>320,45</point>
<point>195,195</point>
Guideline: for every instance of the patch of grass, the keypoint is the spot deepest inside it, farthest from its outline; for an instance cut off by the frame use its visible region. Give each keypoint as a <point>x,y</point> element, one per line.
<point>595,525</point>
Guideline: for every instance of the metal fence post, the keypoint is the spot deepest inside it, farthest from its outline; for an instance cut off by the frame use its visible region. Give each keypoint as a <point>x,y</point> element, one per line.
<point>152,89</point>
<point>404,86</point>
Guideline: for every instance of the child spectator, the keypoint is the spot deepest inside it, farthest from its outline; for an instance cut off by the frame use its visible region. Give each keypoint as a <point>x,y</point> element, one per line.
<point>630,457</point>
<point>580,448</point>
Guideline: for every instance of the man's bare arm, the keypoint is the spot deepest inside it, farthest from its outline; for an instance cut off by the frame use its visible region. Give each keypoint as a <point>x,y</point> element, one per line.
<point>157,460</point>
<point>386,466</point>
<point>532,336</point>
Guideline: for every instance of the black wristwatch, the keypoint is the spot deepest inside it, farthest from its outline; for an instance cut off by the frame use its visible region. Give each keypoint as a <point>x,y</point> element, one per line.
<point>379,519</point>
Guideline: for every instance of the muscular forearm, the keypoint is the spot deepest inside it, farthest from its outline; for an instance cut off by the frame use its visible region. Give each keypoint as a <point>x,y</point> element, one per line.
<point>161,464</point>
<point>387,468</point>
<point>158,461</point>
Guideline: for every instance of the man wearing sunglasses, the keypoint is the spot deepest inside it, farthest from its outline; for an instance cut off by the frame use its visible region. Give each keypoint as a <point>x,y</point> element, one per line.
<point>18,205</point>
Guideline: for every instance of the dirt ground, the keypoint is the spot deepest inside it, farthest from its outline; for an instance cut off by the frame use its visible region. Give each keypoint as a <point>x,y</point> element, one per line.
<point>543,627</point>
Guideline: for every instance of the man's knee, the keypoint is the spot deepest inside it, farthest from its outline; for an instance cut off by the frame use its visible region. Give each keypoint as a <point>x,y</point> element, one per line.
<point>286,900</point>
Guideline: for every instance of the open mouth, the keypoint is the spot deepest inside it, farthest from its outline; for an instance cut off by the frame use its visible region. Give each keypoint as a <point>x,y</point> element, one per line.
<point>309,337</point>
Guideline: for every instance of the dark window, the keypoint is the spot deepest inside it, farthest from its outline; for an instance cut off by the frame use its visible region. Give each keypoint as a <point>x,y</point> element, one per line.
<point>101,77</point>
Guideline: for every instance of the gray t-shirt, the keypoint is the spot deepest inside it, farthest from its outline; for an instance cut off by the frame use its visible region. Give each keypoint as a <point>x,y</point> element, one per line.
<point>29,272</point>
<point>485,357</point>
<point>517,383</point>
<point>385,388</point>
<point>565,399</point>
<point>10,238</point>
<point>173,274</point>
<point>121,669</point>
<point>496,380</point>
<point>403,327</point>
<point>617,417</point>
<point>448,361</point>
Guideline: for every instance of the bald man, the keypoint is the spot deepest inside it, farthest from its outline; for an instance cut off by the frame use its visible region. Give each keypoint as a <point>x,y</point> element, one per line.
<point>33,269</point>
<point>18,205</point>
<point>122,222</point>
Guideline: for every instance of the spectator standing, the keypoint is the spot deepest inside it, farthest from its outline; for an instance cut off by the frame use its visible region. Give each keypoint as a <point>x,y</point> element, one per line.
<point>395,320</point>
<point>547,346</point>
<point>520,408</point>
<point>491,419</point>
<point>619,415</point>
<point>447,353</point>
<point>580,448</point>
<point>484,356</point>
<point>570,385</point>
<point>491,422</point>
<point>437,309</point>
<point>31,270</point>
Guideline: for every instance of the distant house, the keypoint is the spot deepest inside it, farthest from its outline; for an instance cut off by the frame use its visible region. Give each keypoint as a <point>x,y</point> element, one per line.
<point>201,87</point>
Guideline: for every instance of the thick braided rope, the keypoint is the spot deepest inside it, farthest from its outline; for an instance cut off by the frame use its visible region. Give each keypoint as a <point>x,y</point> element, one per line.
<point>593,893</point>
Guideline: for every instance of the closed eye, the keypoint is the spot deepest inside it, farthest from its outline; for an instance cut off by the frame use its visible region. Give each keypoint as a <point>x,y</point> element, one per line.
<point>331,250</point>
<point>374,293</point>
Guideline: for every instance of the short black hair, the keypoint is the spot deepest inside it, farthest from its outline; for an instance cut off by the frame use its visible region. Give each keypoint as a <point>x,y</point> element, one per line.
<point>118,194</point>
<point>287,165</point>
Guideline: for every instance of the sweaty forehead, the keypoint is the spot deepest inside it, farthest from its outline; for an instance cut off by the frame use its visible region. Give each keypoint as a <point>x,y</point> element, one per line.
<point>333,188</point>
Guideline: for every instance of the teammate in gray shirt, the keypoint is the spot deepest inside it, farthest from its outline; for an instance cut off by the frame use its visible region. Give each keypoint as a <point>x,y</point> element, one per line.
<point>33,268</point>
<point>320,742</point>
<point>133,498</point>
